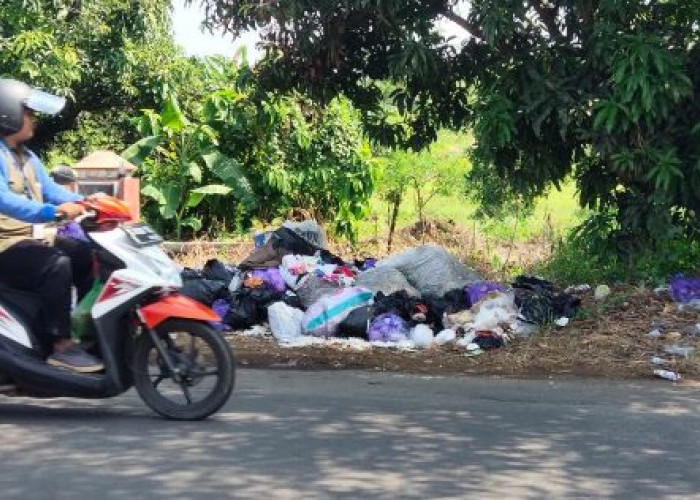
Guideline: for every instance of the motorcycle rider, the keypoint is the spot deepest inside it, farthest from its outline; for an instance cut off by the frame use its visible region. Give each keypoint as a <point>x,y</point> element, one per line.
<point>29,198</point>
<point>64,176</point>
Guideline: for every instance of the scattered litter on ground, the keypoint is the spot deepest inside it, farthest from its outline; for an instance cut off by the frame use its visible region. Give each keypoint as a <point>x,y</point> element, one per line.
<point>686,292</point>
<point>685,289</point>
<point>692,330</point>
<point>668,375</point>
<point>691,304</point>
<point>601,292</point>
<point>562,322</point>
<point>655,333</point>
<point>678,350</point>
<point>256,331</point>
<point>445,337</point>
<point>578,289</point>
<point>473,350</point>
<point>658,360</point>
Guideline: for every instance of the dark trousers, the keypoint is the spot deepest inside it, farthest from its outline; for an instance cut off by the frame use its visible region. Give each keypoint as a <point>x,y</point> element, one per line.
<point>48,272</point>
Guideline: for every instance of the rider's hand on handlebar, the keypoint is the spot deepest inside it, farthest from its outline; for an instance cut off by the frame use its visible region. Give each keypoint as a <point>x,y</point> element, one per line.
<point>95,196</point>
<point>70,210</point>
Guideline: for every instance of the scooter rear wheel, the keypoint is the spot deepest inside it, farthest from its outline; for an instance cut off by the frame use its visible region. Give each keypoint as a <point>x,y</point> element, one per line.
<point>205,370</point>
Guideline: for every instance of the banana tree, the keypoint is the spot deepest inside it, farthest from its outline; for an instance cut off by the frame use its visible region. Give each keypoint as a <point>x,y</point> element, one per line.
<point>181,166</point>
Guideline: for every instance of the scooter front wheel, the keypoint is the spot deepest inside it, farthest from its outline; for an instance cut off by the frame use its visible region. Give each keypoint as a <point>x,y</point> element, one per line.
<point>197,377</point>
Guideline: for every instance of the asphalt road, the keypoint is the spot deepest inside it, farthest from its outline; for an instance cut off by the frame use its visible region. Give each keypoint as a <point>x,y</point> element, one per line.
<point>314,435</point>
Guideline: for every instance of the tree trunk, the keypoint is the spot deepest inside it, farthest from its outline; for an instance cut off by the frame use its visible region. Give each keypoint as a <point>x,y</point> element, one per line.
<point>395,204</point>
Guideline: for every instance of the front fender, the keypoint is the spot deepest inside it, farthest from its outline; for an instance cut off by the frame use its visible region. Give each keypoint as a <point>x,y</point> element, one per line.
<point>176,306</point>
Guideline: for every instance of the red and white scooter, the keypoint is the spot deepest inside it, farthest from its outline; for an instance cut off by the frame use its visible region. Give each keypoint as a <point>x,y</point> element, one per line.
<point>147,335</point>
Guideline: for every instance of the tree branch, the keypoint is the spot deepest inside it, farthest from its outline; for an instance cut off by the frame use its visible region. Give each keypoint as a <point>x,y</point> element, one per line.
<point>548,18</point>
<point>473,30</point>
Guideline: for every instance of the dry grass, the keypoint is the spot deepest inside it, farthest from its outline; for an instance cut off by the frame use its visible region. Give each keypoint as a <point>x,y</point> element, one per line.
<point>469,245</point>
<point>195,254</point>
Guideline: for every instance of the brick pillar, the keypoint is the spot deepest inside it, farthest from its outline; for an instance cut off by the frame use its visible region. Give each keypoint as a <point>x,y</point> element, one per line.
<point>131,195</point>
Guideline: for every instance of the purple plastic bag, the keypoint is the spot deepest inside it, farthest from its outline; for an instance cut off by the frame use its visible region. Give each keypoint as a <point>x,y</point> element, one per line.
<point>72,230</point>
<point>477,291</point>
<point>685,289</point>
<point>370,263</point>
<point>388,327</point>
<point>220,307</point>
<point>272,278</point>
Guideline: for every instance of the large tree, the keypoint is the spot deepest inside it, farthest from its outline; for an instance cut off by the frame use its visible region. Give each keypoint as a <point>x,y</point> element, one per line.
<point>106,56</point>
<point>605,90</point>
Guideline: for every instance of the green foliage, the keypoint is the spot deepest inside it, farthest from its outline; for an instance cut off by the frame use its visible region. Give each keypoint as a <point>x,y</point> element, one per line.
<point>108,57</point>
<point>220,151</point>
<point>104,130</point>
<point>607,92</point>
<point>100,49</point>
<point>296,154</point>
<point>245,154</point>
<point>424,175</point>
<point>181,168</point>
<point>579,261</point>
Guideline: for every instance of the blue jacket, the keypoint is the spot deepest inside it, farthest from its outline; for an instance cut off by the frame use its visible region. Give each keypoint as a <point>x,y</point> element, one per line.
<point>25,209</point>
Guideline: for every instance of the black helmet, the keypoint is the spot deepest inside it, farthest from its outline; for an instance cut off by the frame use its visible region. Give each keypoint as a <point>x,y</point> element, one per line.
<point>15,96</point>
<point>63,174</point>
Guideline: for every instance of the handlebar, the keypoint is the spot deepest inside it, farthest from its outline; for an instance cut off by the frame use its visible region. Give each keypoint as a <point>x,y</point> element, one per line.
<point>89,214</point>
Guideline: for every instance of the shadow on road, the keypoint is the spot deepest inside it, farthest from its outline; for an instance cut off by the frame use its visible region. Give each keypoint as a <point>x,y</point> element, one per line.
<point>306,435</point>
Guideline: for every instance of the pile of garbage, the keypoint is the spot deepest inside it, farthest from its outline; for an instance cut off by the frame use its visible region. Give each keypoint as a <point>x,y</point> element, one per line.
<point>685,292</point>
<point>415,299</point>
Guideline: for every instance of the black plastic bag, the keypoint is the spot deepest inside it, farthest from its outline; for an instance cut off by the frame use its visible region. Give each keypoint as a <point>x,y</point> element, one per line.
<point>489,341</point>
<point>413,310</point>
<point>399,303</point>
<point>289,241</point>
<point>293,300</point>
<point>204,290</point>
<point>190,274</point>
<point>357,323</point>
<point>217,270</point>
<point>537,285</point>
<point>452,302</point>
<point>540,302</point>
<point>249,306</point>
<point>243,312</point>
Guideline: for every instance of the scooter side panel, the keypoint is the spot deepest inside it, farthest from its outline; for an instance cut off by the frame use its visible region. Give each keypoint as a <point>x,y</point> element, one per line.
<point>115,335</point>
<point>176,306</point>
<point>11,328</point>
<point>123,287</point>
<point>35,377</point>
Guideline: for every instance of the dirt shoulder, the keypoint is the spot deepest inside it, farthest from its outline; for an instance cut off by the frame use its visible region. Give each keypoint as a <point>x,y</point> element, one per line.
<point>610,340</point>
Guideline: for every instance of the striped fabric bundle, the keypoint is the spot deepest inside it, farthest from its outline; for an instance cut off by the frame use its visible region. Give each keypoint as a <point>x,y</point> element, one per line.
<point>324,316</point>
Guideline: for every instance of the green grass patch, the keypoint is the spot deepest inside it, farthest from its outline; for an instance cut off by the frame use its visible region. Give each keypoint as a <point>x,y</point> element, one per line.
<point>574,262</point>
<point>554,215</point>
<point>552,218</point>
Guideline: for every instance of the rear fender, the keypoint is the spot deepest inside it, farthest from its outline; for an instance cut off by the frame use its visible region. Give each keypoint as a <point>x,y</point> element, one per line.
<point>175,306</point>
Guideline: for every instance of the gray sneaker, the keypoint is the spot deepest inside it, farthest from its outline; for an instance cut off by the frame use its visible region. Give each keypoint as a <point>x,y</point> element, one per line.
<point>76,359</point>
